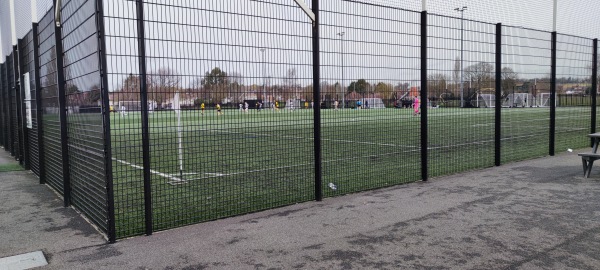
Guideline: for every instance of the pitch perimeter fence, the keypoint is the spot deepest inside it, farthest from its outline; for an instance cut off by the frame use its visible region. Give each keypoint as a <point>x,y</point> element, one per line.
<point>118,108</point>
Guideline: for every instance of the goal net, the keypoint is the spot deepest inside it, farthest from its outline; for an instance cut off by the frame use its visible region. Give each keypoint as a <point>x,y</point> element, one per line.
<point>518,100</point>
<point>125,107</point>
<point>543,100</point>
<point>292,104</point>
<point>372,103</point>
<point>486,101</point>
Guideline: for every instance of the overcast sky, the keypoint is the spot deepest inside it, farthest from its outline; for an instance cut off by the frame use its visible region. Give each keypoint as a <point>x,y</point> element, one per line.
<point>380,44</point>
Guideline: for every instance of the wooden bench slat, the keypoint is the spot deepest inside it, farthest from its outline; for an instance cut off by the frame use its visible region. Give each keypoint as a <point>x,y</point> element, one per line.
<point>593,155</point>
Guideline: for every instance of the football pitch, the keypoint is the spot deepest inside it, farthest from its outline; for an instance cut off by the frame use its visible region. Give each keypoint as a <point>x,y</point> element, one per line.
<point>207,166</point>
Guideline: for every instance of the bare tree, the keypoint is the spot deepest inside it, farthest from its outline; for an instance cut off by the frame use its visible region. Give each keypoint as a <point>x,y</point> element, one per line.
<point>130,89</point>
<point>480,73</point>
<point>163,85</point>
<point>437,83</point>
<point>216,82</point>
<point>385,90</point>
<point>509,78</point>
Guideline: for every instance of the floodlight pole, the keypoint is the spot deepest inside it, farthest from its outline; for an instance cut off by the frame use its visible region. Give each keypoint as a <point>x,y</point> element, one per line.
<point>462,18</point>
<point>343,85</point>
<point>314,16</point>
<point>264,75</point>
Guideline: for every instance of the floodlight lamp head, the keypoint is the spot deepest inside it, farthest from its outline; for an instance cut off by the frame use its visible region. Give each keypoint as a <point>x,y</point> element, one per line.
<point>57,13</point>
<point>465,7</point>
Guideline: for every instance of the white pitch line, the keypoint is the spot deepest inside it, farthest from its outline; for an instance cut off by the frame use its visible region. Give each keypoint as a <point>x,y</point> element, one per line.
<point>216,174</point>
<point>152,171</point>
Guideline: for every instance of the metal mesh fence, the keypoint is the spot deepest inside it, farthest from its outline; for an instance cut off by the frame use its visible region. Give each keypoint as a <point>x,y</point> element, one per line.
<point>198,110</point>
<point>26,54</point>
<point>253,153</point>
<point>126,138</point>
<point>460,71</point>
<point>87,168</point>
<point>597,122</point>
<point>369,65</point>
<point>573,82</point>
<point>52,155</point>
<point>12,96</point>
<point>4,95</point>
<point>526,63</point>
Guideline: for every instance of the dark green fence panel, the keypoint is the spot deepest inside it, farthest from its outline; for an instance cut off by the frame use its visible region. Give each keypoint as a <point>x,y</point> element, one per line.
<point>208,165</point>
<point>81,59</point>
<point>525,93</point>
<point>573,82</point>
<point>52,155</point>
<point>13,112</point>
<point>461,73</point>
<point>367,142</point>
<point>29,110</point>
<point>4,108</point>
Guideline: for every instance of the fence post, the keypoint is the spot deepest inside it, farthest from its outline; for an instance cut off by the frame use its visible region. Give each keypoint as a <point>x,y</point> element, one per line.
<point>106,122</point>
<point>38,104</point>
<point>552,95</point>
<point>145,125</point>
<point>62,114</point>
<point>594,86</point>
<point>498,101</point>
<point>424,142</point>
<point>317,101</point>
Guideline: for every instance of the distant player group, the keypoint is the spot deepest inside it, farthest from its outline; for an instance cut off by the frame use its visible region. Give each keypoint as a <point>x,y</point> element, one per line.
<point>275,106</point>
<point>242,107</point>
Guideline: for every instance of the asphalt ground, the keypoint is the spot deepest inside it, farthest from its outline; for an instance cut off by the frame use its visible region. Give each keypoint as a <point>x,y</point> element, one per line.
<point>535,214</point>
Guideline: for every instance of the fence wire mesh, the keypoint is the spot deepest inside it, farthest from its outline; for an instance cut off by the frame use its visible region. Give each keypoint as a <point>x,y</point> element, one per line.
<point>5,110</point>
<point>12,96</point>
<point>87,168</point>
<point>526,56</point>
<point>206,109</point>
<point>370,72</point>
<point>230,131</point>
<point>52,155</point>
<point>29,111</point>
<point>460,72</point>
<point>573,86</point>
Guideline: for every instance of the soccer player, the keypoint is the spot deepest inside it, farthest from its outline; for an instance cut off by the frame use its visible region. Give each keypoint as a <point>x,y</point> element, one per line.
<point>335,105</point>
<point>276,106</point>
<point>416,106</point>
<point>202,108</point>
<point>123,111</point>
<point>245,107</point>
<point>219,109</point>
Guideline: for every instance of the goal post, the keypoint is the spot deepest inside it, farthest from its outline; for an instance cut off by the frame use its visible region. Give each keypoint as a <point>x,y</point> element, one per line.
<point>543,100</point>
<point>372,103</point>
<point>516,100</point>
<point>486,101</point>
